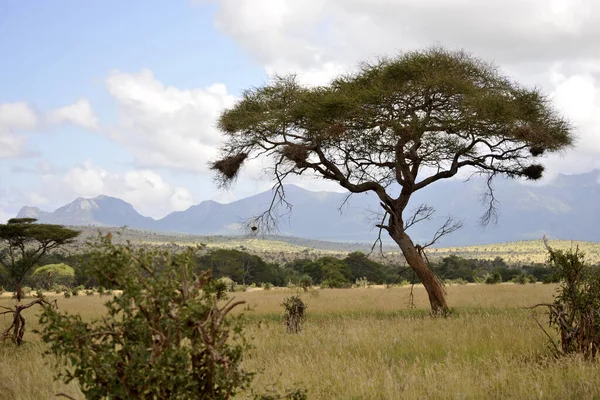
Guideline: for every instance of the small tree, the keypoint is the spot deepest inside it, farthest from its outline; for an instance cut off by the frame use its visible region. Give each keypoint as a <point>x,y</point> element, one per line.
<point>394,128</point>
<point>54,274</point>
<point>26,243</point>
<point>168,336</point>
<point>575,312</point>
<point>16,330</point>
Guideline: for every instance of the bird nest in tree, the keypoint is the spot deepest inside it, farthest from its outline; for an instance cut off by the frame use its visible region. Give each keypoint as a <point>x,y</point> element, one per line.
<point>533,172</point>
<point>295,152</point>
<point>229,166</point>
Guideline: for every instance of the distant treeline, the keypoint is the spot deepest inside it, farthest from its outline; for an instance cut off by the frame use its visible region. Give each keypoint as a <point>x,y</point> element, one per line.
<point>248,269</point>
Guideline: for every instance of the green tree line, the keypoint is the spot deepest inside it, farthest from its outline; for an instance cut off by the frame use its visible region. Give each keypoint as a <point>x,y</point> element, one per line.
<point>247,269</point>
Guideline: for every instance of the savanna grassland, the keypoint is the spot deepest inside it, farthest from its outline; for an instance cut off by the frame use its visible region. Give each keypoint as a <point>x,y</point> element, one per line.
<point>284,248</point>
<point>368,343</point>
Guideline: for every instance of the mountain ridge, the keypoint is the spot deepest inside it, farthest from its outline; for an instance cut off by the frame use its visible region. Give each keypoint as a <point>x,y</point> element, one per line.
<point>565,208</point>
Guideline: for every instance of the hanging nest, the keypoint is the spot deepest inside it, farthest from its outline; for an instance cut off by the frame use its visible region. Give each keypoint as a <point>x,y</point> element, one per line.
<point>229,167</point>
<point>295,152</point>
<point>533,172</point>
<point>536,150</point>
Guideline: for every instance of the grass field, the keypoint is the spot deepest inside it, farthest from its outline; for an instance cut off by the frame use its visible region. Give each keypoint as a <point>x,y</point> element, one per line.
<point>368,344</point>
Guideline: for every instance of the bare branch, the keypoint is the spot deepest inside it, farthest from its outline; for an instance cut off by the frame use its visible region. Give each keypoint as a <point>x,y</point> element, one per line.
<point>489,198</point>
<point>421,213</point>
<point>447,228</point>
<point>381,227</point>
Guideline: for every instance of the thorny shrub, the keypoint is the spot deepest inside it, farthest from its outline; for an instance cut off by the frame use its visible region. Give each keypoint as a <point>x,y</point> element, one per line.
<point>167,336</point>
<point>575,311</point>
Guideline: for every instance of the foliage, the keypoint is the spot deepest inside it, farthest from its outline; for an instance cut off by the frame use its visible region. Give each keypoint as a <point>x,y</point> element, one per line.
<point>50,274</point>
<point>524,278</point>
<point>228,283</point>
<point>575,312</point>
<point>294,313</point>
<point>241,267</point>
<point>27,242</point>
<point>494,278</point>
<point>167,336</point>
<point>407,122</point>
<point>362,283</point>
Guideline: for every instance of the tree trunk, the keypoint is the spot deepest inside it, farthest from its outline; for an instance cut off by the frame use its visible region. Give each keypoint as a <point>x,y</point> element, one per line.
<point>19,292</point>
<point>437,298</point>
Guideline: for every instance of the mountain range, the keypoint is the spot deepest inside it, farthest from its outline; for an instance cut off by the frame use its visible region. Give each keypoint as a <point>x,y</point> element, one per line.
<point>565,208</point>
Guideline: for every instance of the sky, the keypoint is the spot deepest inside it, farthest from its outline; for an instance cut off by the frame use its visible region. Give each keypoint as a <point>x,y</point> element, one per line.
<point>121,98</point>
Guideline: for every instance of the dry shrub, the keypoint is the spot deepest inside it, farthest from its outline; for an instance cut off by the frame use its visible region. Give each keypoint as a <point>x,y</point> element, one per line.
<point>294,313</point>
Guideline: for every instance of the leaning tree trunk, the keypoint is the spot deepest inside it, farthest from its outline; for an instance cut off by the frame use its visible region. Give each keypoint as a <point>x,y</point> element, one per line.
<point>437,298</point>
<point>19,291</point>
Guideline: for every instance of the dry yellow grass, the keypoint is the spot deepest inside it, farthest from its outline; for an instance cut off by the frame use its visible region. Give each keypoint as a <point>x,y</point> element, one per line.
<point>368,344</point>
<point>527,251</point>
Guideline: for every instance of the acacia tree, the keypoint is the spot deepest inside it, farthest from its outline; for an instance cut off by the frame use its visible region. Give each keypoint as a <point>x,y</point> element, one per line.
<point>394,128</point>
<point>26,243</point>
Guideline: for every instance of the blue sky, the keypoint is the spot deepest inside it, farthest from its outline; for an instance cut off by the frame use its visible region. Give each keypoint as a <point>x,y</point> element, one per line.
<point>121,97</point>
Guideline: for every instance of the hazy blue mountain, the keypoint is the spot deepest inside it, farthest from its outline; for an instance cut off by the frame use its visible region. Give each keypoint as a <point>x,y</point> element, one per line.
<point>567,208</point>
<point>99,211</point>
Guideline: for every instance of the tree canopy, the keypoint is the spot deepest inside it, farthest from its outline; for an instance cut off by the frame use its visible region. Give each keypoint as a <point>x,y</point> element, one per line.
<point>395,127</point>
<point>26,243</point>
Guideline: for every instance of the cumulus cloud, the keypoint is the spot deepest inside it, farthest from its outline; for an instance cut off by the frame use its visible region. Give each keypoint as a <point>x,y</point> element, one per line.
<point>145,189</point>
<point>308,34</point>
<point>546,43</point>
<point>79,113</point>
<point>164,126</point>
<point>15,120</point>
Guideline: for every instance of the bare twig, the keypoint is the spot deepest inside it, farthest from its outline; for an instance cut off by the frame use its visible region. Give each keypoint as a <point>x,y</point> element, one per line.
<point>447,228</point>
<point>489,198</point>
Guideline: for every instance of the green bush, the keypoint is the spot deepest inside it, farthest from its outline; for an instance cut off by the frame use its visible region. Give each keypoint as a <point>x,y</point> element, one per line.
<point>335,284</point>
<point>576,306</point>
<point>58,289</point>
<point>520,279</point>
<point>493,279</point>
<point>169,334</point>
<point>267,286</point>
<point>228,282</point>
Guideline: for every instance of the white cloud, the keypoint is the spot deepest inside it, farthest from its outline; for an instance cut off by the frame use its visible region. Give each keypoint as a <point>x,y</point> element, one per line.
<point>5,216</point>
<point>296,36</point>
<point>145,189</point>
<point>547,43</point>
<point>15,120</point>
<point>164,126</point>
<point>79,113</point>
